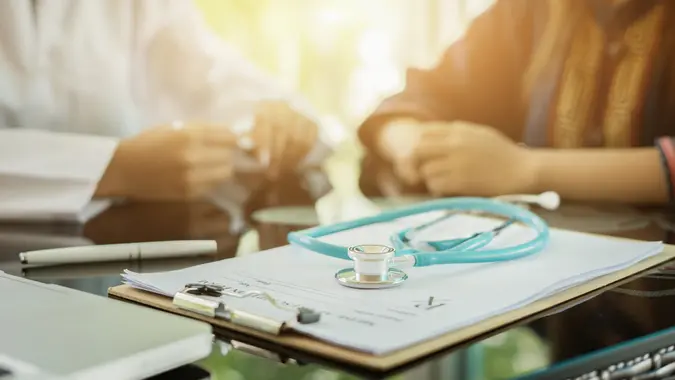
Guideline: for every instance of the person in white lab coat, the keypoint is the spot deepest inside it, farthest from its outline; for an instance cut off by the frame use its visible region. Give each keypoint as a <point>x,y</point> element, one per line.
<point>134,99</point>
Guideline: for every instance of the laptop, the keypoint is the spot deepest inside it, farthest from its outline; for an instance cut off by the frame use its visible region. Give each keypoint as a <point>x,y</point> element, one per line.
<point>51,332</point>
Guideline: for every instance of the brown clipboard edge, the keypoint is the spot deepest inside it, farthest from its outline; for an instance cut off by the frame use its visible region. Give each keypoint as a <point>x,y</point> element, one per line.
<point>410,354</point>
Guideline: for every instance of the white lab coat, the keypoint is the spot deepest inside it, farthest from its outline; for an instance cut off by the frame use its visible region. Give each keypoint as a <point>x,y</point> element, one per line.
<point>77,75</point>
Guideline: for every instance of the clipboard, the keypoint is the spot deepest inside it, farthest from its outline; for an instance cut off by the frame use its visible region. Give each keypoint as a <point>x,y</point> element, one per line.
<point>330,353</point>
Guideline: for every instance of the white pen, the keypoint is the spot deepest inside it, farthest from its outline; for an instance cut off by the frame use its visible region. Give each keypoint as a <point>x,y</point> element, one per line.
<point>119,252</point>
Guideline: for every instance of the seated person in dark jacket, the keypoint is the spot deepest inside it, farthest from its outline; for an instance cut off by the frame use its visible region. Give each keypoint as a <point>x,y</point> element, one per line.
<point>575,96</point>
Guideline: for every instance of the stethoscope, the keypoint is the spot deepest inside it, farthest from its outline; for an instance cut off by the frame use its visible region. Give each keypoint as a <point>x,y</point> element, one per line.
<point>378,266</point>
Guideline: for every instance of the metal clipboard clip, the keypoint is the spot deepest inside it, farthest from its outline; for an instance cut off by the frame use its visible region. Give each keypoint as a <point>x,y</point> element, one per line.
<point>228,345</point>
<point>204,298</point>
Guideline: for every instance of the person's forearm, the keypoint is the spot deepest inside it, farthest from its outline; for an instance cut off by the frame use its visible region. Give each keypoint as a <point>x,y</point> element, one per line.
<point>611,175</point>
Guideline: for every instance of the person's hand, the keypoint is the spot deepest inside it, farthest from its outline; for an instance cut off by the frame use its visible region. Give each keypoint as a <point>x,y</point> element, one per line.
<point>282,137</point>
<point>170,163</point>
<point>397,142</point>
<point>475,160</point>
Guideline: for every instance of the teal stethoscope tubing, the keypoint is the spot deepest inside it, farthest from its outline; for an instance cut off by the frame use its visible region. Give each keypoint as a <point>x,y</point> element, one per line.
<point>458,251</point>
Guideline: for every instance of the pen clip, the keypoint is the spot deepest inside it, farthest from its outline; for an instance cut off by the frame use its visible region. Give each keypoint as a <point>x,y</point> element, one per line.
<point>227,345</point>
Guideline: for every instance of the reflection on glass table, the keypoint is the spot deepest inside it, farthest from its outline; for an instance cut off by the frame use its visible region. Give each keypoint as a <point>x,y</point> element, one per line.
<point>627,312</point>
<point>621,314</point>
<point>637,308</point>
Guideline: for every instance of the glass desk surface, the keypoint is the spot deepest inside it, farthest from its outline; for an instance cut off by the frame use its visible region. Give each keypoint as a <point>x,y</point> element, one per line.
<point>634,309</point>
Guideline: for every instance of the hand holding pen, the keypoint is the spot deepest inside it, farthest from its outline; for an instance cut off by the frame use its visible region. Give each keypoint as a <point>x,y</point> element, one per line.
<point>281,137</point>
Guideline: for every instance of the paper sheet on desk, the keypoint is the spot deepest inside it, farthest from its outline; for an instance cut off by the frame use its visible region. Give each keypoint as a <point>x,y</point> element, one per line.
<point>48,200</point>
<point>51,177</point>
<point>381,321</point>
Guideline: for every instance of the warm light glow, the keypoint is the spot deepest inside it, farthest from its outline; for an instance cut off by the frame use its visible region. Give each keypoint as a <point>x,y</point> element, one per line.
<point>377,76</point>
<point>328,17</point>
<point>344,56</point>
<point>326,27</point>
<point>375,46</point>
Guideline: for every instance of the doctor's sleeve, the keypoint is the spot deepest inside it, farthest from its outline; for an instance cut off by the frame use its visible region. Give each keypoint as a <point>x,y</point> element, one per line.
<point>194,72</point>
<point>477,79</point>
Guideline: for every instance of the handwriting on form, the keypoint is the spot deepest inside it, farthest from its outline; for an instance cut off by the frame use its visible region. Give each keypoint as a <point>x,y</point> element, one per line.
<point>431,303</point>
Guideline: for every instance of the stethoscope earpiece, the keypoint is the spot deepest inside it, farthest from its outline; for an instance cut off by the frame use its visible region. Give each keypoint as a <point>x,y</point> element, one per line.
<point>549,200</point>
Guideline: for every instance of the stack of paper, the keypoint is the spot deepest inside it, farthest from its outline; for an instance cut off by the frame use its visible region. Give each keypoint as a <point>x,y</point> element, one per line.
<point>434,300</point>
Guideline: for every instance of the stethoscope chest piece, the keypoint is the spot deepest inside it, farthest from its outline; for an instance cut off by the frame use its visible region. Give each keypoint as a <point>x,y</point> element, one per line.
<point>349,278</point>
<point>371,268</point>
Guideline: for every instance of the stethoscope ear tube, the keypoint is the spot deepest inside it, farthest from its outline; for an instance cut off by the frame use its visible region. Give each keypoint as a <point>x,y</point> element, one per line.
<point>308,238</point>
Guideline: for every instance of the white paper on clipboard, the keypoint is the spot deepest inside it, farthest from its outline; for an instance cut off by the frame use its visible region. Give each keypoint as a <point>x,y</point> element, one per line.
<point>433,301</point>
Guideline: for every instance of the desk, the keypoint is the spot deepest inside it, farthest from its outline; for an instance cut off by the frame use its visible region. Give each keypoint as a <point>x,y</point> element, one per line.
<point>634,309</point>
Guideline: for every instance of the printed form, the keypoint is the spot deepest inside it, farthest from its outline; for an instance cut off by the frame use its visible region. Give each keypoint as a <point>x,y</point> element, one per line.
<point>433,301</point>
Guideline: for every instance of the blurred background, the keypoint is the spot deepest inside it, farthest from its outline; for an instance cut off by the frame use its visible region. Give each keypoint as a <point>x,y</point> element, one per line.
<point>344,56</point>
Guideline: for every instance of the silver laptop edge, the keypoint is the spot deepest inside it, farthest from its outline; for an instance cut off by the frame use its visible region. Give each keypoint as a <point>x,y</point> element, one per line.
<point>49,331</point>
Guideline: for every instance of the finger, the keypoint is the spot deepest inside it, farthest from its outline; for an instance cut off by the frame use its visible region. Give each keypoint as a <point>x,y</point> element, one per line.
<point>286,155</point>
<point>407,172</point>
<point>281,143</point>
<point>440,176</point>
<point>190,190</point>
<point>435,130</point>
<point>282,137</point>
<point>301,137</point>
<point>263,138</point>
<point>443,186</point>
<point>439,129</point>
<point>207,156</point>
<point>210,176</point>
<point>438,168</point>
<point>197,184</point>
<point>434,149</point>
<point>205,134</point>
